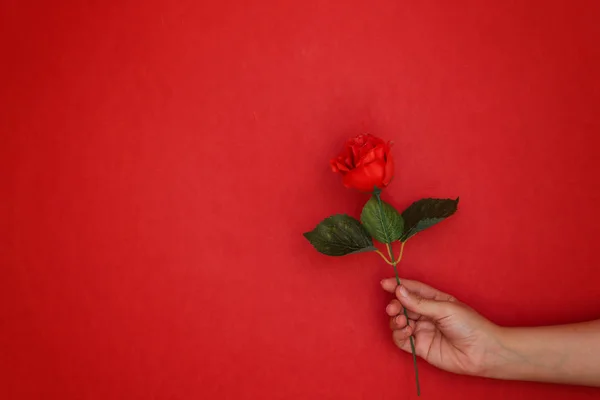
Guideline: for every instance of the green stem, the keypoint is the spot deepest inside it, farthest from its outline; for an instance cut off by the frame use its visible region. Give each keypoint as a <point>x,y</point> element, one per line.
<point>412,341</point>
<point>395,265</point>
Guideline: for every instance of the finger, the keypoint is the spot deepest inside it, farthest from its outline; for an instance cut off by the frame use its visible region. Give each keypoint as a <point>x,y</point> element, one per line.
<point>427,307</point>
<point>401,338</point>
<point>426,291</point>
<point>389,284</point>
<point>423,326</point>
<point>394,308</point>
<point>411,314</point>
<point>397,322</point>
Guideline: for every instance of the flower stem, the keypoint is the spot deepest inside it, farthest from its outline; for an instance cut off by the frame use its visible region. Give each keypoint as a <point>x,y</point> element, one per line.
<point>412,342</point>
<point>394,263</point>
<point>384,257</point>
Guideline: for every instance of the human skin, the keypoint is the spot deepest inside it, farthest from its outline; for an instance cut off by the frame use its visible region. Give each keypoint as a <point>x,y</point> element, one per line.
<point>452,336</point>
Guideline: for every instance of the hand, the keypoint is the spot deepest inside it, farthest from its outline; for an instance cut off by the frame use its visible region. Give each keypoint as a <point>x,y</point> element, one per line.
<point>448,334</point>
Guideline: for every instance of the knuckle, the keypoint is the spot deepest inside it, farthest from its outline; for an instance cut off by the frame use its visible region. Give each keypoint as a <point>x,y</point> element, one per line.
<point>446,309</point>
<point>397,322</point>
<point>398,338</point>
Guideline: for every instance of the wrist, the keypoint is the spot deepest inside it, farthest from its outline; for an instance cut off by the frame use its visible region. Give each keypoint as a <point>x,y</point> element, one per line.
<point>558,354</point>
<point>513,355</point>
<point>499,357</point>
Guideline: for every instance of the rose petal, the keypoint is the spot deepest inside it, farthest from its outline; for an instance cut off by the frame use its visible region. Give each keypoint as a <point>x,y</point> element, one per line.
<point>365,178</point>
<point>364,159</point>
<point>352,151</point>
<point>389,169</point>
<point>374,140</point>
<point>342,166</point>
<point>380,151</point>
<point>348,162</point>
<point>367,158</point>
<point>372,143</point>
<point>334,166</point>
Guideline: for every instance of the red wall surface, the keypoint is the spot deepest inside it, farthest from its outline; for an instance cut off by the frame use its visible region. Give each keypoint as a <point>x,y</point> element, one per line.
<point>160,160</point>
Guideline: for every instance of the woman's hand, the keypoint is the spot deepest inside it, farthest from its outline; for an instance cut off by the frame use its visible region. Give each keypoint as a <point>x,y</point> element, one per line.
<point>453,337</point>
<point>448,334</point>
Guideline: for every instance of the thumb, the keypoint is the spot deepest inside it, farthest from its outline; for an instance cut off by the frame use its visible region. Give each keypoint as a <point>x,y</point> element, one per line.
<point>427,307</point>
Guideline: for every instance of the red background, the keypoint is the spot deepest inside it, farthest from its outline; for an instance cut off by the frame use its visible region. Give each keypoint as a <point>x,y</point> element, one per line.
<point>161,159</point>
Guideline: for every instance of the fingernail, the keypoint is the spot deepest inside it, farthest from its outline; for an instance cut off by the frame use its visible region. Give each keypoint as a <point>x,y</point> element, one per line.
<point>399,319</point>
<point>403,291</point>
<point>388,309</point>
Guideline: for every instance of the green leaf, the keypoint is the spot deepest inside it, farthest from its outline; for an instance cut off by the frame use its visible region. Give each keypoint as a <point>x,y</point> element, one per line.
<point>339,235</point>
<point>425,213</point>
<point>382,220</point>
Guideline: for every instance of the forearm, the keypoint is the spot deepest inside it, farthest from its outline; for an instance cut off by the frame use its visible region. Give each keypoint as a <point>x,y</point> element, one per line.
<point>567,354</point>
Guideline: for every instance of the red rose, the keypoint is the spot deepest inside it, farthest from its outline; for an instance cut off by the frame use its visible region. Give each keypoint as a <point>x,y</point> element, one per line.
<point>365,162</point>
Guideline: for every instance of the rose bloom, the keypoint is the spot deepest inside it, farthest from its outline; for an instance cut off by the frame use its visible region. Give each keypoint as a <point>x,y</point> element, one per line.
<point>365,162</point>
